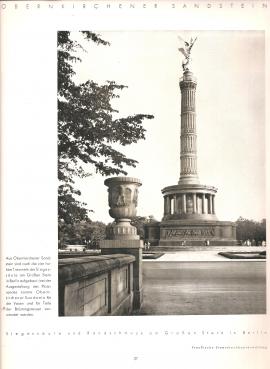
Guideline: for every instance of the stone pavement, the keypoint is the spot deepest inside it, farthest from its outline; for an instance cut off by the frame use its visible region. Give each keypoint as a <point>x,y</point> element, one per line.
<point>199,287</point>
<point>203,282</point>
<point>208,254</point>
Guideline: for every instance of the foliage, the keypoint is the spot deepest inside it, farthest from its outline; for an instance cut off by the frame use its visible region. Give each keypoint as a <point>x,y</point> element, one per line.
<point>88,127</point>
<point>85,232</point>
<point>247,229</point>
<point>139,222</point>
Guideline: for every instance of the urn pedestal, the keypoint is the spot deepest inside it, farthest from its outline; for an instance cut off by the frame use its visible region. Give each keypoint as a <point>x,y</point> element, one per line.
<point>123,199</point>
<point>121,236</point>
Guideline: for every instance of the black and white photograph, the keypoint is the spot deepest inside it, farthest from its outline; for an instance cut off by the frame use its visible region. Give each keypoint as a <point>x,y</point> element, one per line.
<point>161,167</point>
<point>134,184</point>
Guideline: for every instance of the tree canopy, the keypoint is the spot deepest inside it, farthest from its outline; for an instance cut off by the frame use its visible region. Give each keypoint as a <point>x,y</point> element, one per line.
<point>247,229</point>
<point>140,221</point>
<point>85,232</point>
<point>88,128</point>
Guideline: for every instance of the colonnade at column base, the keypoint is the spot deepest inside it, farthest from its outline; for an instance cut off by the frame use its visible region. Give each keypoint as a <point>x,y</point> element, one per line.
<point>189,201</point>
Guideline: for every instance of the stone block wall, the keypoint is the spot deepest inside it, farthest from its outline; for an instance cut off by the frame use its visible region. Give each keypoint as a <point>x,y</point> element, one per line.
<point>134,248</point>
<point>96,285</point>
<point>191,233</point>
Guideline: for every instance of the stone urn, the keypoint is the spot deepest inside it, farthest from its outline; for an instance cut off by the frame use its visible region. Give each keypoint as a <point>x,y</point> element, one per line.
<point>123,197</point>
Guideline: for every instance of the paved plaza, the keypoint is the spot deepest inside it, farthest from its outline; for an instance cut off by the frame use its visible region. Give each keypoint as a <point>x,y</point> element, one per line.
<point>178,287</point>
<point>209,254</point>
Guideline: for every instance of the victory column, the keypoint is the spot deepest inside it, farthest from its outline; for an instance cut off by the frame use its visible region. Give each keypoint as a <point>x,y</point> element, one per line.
<point>189,208</point>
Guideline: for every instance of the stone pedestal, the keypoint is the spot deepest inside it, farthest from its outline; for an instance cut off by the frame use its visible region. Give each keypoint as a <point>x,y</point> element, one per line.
<point>130,247</point>
<point>197,233</point>
<point>122,237</point>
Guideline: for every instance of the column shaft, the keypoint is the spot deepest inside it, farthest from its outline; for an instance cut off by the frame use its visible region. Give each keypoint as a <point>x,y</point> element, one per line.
<point>168,205</point>
<point>194,203</point>
<point>188,154</point>
<point>203,203</point>
<point>184,203</point>
<point>210,204</point>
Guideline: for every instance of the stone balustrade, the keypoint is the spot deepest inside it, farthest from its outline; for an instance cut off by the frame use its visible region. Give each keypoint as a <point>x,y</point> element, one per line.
<point>96,285</point>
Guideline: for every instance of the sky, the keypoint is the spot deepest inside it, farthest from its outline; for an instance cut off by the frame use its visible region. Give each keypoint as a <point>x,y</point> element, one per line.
<point>230,106</point>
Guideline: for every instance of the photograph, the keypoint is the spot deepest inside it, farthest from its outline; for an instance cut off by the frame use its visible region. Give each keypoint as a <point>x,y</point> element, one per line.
<point>161,172</point>
<point>134,184</point>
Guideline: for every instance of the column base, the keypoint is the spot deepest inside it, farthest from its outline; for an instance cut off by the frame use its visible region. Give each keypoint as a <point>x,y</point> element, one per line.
<point>122,230</point>
<point>189,179</point>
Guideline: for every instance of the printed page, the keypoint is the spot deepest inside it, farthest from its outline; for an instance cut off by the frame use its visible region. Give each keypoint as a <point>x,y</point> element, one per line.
<point>134,175</point>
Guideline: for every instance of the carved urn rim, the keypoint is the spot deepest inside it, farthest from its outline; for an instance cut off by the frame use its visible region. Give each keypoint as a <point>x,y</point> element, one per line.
<point>122,180</point>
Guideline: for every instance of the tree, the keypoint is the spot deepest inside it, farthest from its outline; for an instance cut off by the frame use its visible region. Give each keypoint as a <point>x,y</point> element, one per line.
<point>88,128</point>
<point>85,232</point>
<point>139,222</point>
<point>91,233</point>
<point>260,231</point>
<point>247,229</point>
